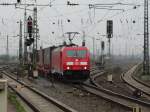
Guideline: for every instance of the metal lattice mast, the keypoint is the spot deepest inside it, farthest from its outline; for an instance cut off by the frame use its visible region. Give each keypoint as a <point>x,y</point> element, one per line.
<point>25,36</point>
<point>20,44</point>
<point>35,33</point>
<point>146,40</point>
<point>7,48</point>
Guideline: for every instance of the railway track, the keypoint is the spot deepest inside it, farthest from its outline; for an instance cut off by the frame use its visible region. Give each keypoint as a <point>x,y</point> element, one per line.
<point>122,100</point>
<point>140,81</point>
<point>37,100</point>
<point>135,83</point>
<point>126,101</point>
<point>95,70</point>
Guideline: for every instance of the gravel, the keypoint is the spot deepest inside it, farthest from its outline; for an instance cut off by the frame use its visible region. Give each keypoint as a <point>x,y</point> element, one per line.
<point>75,98</point>
<point>116,69</point>
<point>10,107</point>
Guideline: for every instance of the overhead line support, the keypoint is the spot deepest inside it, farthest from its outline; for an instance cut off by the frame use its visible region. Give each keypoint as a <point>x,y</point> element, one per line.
<point>146,40</point>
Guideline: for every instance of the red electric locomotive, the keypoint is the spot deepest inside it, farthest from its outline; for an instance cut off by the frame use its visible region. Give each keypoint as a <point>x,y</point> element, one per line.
<point>70,62</point>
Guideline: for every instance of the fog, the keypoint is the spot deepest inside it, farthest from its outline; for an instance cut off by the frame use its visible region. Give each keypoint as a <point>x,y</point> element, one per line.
<point>53,23</point>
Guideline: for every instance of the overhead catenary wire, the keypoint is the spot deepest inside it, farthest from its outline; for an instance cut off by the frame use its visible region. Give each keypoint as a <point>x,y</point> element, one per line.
<point>102,19</point>
<point>92,19</point>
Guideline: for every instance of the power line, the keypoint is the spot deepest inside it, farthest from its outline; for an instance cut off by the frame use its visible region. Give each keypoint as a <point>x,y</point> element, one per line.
<point>102,19</point>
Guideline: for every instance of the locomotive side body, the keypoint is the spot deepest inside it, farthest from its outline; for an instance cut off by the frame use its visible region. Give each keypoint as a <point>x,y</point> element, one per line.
<point>40,60</point>
<point>70,62</point>
<point>57,60</point>
<point>47,62</point>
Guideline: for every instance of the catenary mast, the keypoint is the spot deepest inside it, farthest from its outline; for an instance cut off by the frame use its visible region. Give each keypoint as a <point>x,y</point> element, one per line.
<point>146,40</point>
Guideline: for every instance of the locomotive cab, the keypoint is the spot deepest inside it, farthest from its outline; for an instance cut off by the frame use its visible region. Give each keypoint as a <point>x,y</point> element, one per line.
<point>76,63</point>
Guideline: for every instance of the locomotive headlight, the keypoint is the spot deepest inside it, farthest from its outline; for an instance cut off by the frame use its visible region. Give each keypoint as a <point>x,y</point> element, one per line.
<point>85,68</point>
<point>69,63</point>
<point>83,63</point>
<point>68,68</point>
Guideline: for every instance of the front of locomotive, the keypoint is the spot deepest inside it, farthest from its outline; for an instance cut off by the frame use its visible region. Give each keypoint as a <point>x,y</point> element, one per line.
<point>76,63</point>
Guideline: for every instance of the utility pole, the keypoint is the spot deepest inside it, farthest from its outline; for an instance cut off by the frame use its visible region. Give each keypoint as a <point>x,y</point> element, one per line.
<point>93,49</point>
<point>7,49</point>
<point>20,44</point>
<point>109,35</point>
<point>146,40</point>
<point>25,35</point>
<point>102,52</point>
<point>35,34</point>
<point>109,47</point>
<point>83,42</point>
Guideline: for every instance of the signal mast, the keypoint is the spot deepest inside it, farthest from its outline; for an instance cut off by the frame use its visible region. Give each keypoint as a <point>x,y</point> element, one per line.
<point>146,40</point>
<point>109,34</point>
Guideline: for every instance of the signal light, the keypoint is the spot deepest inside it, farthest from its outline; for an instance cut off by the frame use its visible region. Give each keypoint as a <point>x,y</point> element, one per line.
<point>29,41</point>
<point>109,28</point>
<point>103,45</point>
<point>83,43</point>
<point>32,40</point>
<point>68,2</point>
<point>18,1</point>
<point>29,26</point>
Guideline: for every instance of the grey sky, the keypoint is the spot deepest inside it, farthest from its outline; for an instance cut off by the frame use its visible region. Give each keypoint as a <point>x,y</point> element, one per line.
<point>82,19</point>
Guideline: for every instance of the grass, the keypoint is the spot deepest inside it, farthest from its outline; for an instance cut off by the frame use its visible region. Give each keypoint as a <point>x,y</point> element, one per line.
<point>13,99</point>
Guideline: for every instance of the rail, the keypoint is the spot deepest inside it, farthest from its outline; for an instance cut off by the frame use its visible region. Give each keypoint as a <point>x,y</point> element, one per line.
<point>39,96</point>
<point>130,79</point>
<point>126,101</point>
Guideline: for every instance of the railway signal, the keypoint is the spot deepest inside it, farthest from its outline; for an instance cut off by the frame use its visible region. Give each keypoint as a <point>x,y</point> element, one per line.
<point>29,41</point>
<point>103,45</point>
<point>18,1</point>
<point>109,33</point>
<point>102,53</point>
<point>109,28</point>
<point>29,26</point>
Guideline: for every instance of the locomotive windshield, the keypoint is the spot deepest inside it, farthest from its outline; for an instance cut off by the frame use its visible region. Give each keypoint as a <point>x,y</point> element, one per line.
<point>76,53</point>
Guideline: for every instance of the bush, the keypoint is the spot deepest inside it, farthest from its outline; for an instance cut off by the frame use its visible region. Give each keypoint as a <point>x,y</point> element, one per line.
<point>13,99</point>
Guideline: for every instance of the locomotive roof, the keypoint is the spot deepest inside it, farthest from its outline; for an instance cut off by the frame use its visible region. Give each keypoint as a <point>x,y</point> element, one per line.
<point>65,46</point>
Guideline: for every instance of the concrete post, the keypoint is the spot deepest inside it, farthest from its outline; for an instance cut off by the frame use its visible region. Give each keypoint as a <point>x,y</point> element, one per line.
<point>3,95</point>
